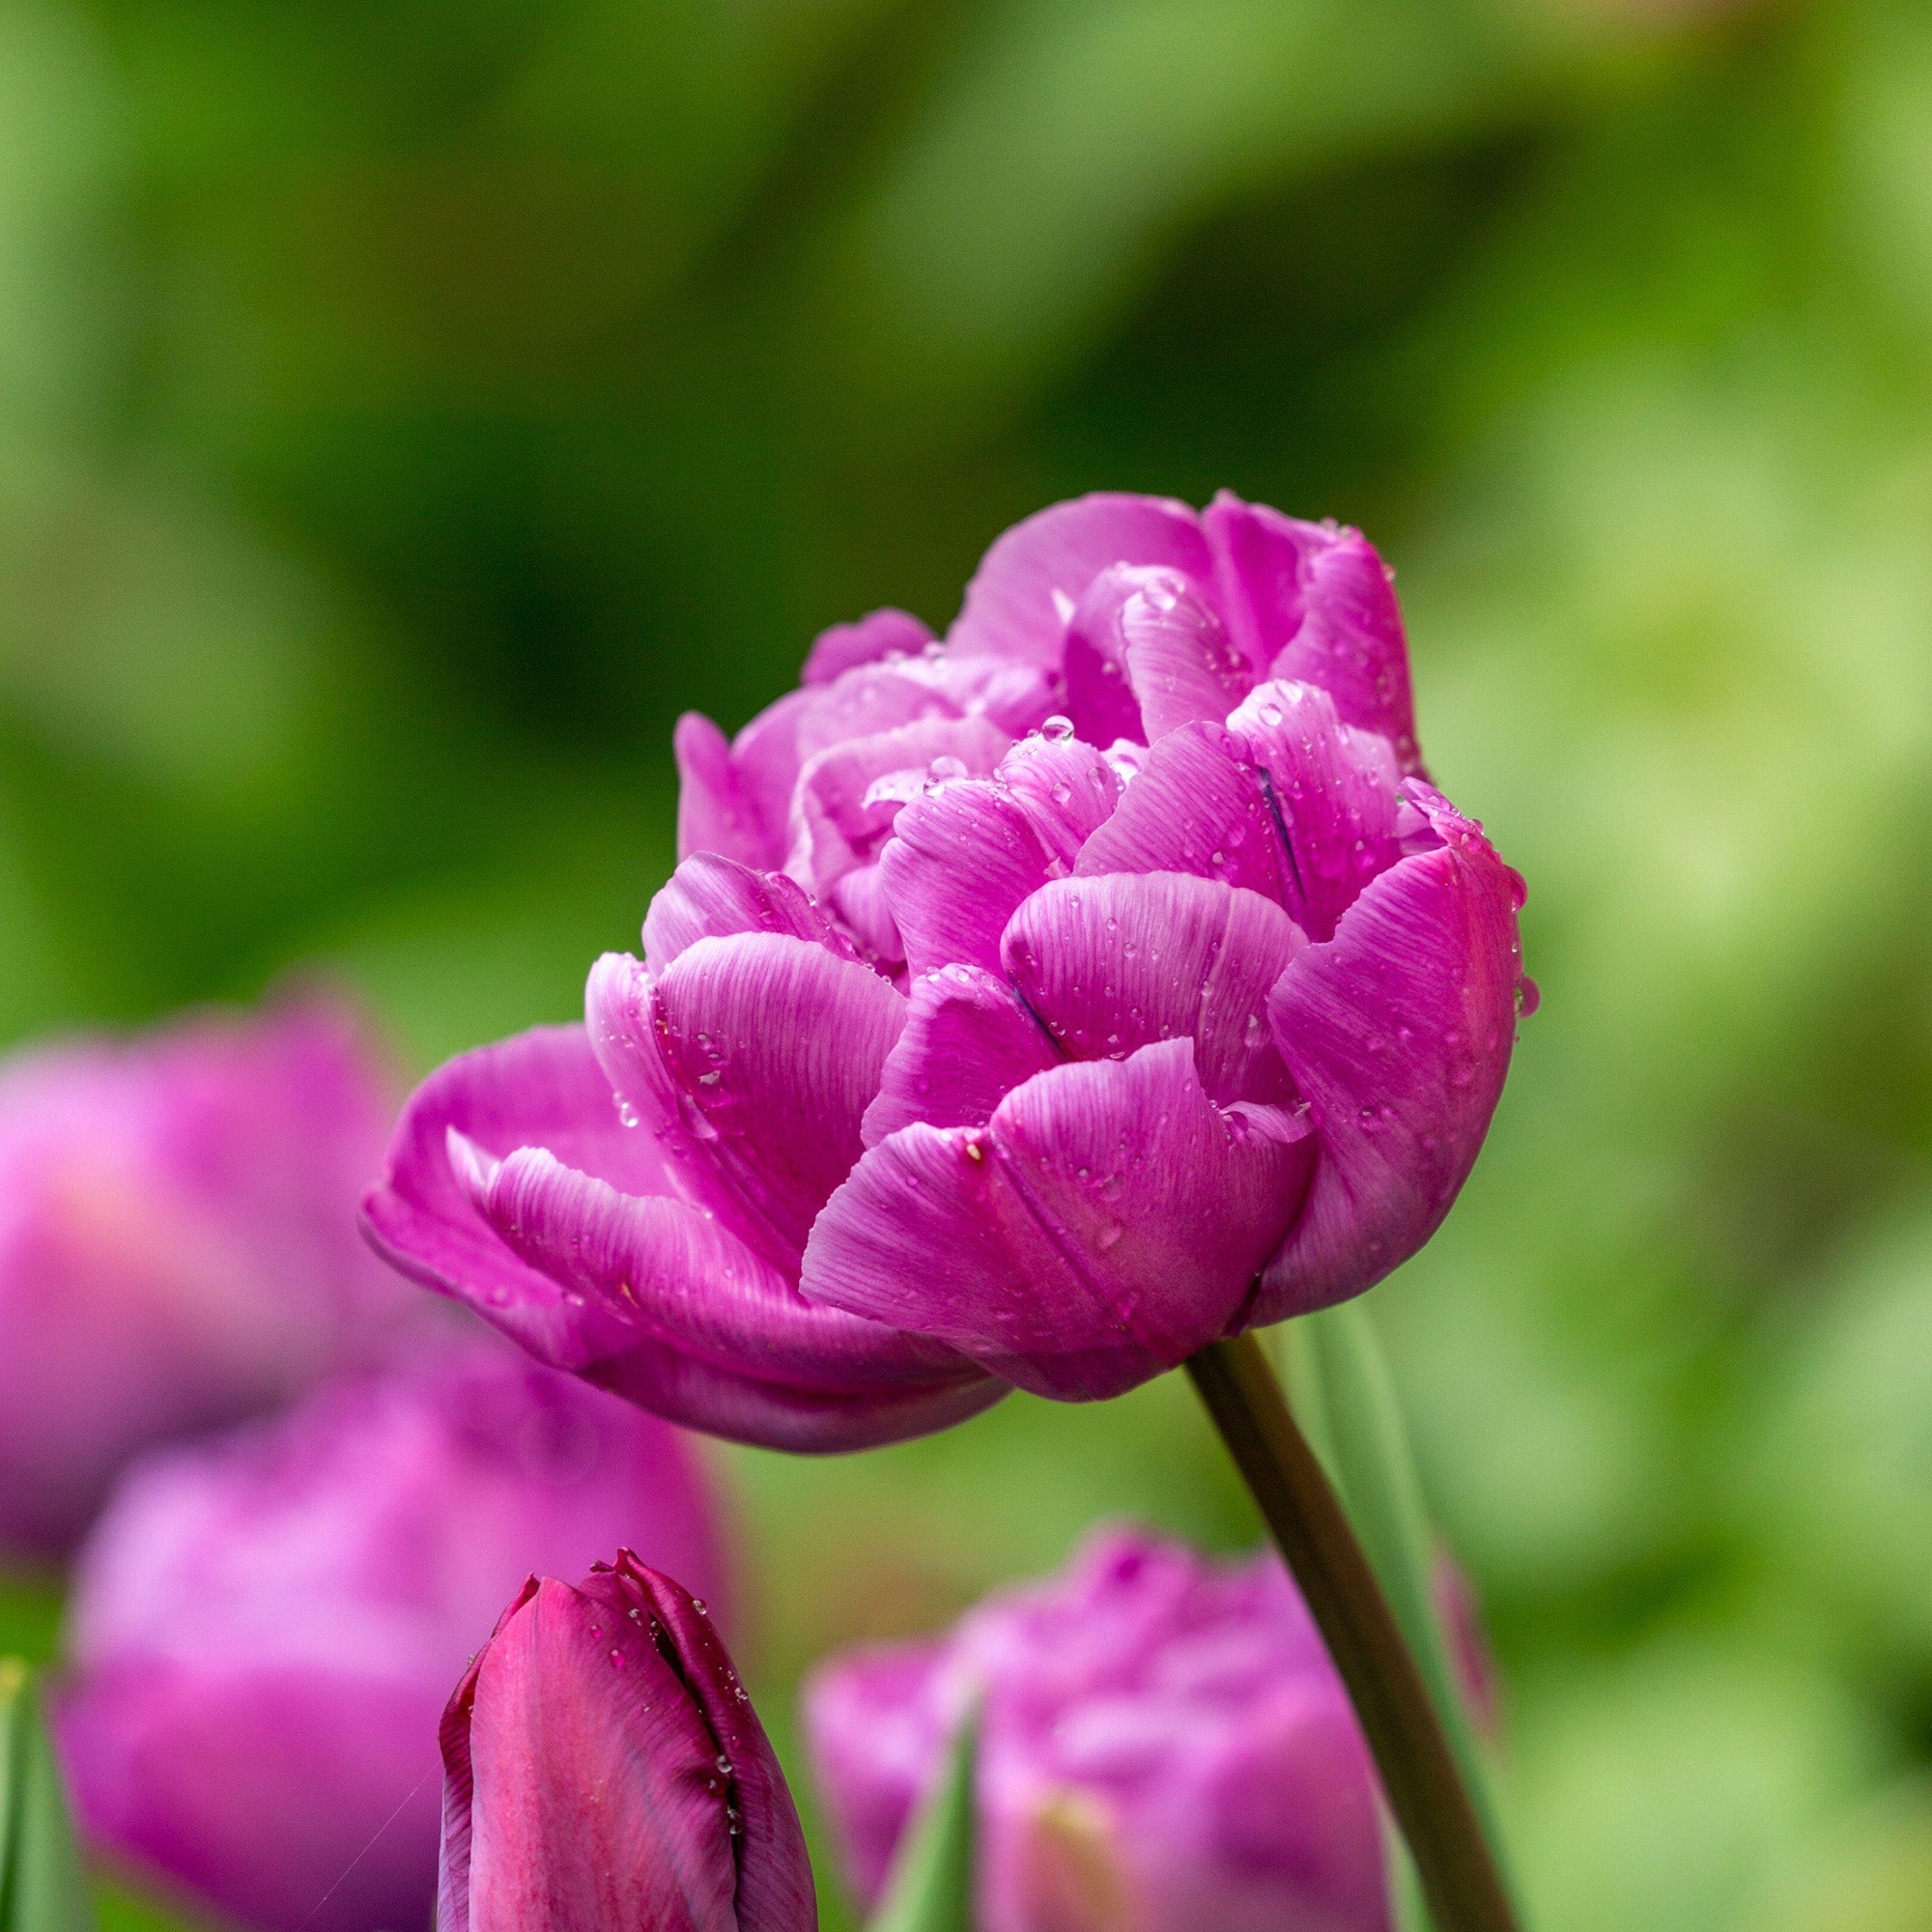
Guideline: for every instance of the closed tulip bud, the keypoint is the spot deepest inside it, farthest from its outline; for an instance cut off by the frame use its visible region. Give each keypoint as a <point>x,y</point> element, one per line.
<point>264,1629</point>
<point>1164,1746</point>
<point>605,1772</point>
<point>177,1246</point>
<point>973,1046</point>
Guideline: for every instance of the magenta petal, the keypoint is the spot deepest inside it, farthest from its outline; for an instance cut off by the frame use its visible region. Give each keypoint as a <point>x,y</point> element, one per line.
<point>876,639</point>
<point>1398,1032</point>
<point>1196,806</point>
<point>543,1088</point>
<point>960,859</point>
<point>1334,790</point>
<point>713,813</point>
<point>774,1046</point>
<point>710,897</point>
<point>1115,963</point>
<point>1108,1222</point>
<point>967,1045</point>
<point>1310,602</point>
<point>1067,789</point>
<point>1183,666</point>
<point>1028,582</point>
<point>1100,696</point>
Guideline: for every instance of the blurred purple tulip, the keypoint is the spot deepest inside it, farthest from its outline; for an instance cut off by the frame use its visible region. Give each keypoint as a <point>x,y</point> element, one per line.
<point>176,1243</point>
<point>605,1772</point>
<point>264,1630</point>
<point>1164,1748</point>
<point>1045,1061</point>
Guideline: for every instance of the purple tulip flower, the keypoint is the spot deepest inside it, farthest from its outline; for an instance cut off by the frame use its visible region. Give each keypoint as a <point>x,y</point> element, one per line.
<point>605,1772</point>
<point>1046,1058</point>
<point>266,1629</point>
<point>177,1245</point>
<point>1164,1748</point>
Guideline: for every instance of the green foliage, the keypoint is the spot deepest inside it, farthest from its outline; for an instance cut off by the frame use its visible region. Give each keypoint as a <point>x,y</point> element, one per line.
<point>932,1886</point>
<point>41,1885</point>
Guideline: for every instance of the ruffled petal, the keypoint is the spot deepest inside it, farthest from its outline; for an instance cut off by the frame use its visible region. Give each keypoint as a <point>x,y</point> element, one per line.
<point>1181,660</point>
<point>876,639</point>
<point>968,1043</point>
<point>1105,1225</point>
<point>541,1089</point>
<point>1314,603</point>
<point>1332,792</point>
<point>1398,1032</point>
<point>1114,963</point>
<point>711,897</point>
<point>1024,591</point>
<point>960,859</point>
<point>713,813</point>
<point>1067,789</point>
<point>1100,698</point>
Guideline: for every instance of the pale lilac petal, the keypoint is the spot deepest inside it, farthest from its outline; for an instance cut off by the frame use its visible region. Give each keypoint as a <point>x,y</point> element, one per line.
<point>1198,806</point>
<point>870,699</point>
<point>968,1043</point>
<point>960,860</point>
<point>1066,787</point>
<point>876,639</point>
<point>1112,964</point>
<point>1311,602</point>
<point>713,813</point>
<point>710,896</point>
<point>1107,1223</point>
<point>1018,697</point>
<point>774,1046</point>
<point>541,1089</point>
<point>1028,582</point>
<point>1333,792</point>
<point>1398,1032</point>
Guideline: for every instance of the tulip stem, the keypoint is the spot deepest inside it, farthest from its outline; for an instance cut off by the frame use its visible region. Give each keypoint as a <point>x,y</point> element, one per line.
<point>1460,1879</point>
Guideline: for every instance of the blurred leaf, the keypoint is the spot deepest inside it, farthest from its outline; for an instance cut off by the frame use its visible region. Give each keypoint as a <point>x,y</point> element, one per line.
<point>932,1886</point>
<point>41,1885</point>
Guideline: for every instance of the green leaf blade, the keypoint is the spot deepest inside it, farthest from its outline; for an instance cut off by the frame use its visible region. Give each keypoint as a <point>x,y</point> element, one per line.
<point>932,1889</point>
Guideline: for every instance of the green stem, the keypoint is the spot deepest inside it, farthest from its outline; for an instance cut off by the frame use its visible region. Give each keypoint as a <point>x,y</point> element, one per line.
<point>1425,1790</point>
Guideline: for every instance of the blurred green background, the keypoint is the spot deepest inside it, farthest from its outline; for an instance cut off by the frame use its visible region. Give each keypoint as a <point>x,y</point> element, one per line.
<point>407,409</point>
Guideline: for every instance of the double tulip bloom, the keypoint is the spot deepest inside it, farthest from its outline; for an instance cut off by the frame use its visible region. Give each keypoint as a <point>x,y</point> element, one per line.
<point>1031,1008</point>
<point>1164,1748</point>
<point>605,1772</point>
<point>264,1630</point>
<point>176,1243</point>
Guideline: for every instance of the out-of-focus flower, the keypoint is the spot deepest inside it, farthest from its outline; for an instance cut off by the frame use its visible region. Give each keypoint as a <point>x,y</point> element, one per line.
<point>176,1243</point>
<point>1164,1748</point>
<point>266,1629</point>
<point>1106,1047</point>
<point>605,1772</point>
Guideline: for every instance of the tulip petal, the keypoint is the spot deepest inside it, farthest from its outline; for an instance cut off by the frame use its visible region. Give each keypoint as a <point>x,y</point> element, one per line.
<point>1100,698</point>
<point>713,813</point>
<point>1110,964</point>
<point>774,1046</point>
<point>1067,789</point>
<point>876,637</point>
<point>1309,602</point>
<point>968,1043</point>
<point>1106,1223</point>
<point>543,1088</point>
<point>710,897</point>
<point>1028,582</point>
<point>1398,1032</point>
<point>1178,655</point>
<point>961,858</point>
<point>1331,791</point>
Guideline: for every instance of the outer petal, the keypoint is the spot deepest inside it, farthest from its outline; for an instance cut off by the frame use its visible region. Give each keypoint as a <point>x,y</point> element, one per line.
<point>961,858</point>
<point>1311,602</point>
<point>1108,1222</point>
<point>876,639</point>
<point>967,1046</point>
<point>1398,1032</point>
<point>1112,964</point>
<point>710,897</point>
<point>1067,789</point>
<point>1021,596</point>
<point>1178,655</point>
<point>713,813</point>
<point>543,1088</point>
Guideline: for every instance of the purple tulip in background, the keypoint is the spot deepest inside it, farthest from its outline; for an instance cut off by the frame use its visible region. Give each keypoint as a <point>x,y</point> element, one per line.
<point>1164,1748</point>
<point>266,1629</point>
<point>606,1773</point>
<point>1035,1008</point>
<point>176,1243</point>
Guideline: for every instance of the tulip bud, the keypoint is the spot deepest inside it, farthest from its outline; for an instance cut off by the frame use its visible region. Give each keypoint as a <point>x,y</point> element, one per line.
<point>605,1772</point>
<point>178,1246</point>
<point>264,1629</point>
